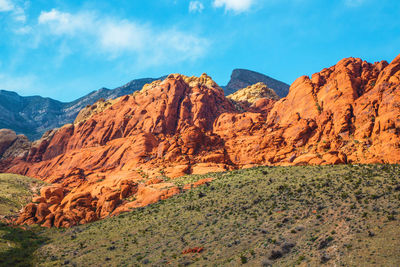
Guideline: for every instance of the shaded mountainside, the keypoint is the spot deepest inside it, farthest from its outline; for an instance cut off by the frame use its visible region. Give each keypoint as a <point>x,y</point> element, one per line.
<point>242,78</point>
<point>33,115</point>
<point>122,155</point>
<point>29,115</point>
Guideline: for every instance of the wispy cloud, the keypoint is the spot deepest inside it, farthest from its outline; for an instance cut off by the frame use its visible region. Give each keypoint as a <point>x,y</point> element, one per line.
<point>196,6</point>
<point>119,37</point>
<point>16,11</point>
<point>237,6</point>
<point>60,23</point>
<point>6,5</point>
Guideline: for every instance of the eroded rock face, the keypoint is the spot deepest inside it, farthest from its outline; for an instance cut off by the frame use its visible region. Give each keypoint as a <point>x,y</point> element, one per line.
<point>13,145</point>
<point>256,98</point>
<point>112,161</point>
<point>90,110</point>
<point>7,138</point>
<point>254,92</point>
<point>342,109</point>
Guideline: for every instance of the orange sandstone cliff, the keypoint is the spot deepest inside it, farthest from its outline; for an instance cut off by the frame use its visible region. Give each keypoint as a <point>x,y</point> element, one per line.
<point>117,155</point>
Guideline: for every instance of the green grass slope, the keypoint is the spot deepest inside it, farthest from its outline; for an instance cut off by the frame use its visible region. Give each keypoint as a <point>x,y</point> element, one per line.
<point>17,245</point>
<point>280,216</point>
<point>16,191</point>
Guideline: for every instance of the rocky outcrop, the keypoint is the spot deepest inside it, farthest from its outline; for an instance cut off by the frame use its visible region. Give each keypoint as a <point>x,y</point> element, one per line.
<point>242,78</point>
<point>115,160</point>
<point>255,98</point>
<point>13,145</point>
<point>7,138</point>
<point>253,93</point>
<point>90,110</point>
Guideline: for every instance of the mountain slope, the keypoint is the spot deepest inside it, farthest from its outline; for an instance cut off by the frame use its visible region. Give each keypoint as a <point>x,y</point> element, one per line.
<point>27,114</point>
<point>123,156</point>
<point>344,215</point>
<point>33,115</point>
<point>15,192</point>
<point>242,78</point>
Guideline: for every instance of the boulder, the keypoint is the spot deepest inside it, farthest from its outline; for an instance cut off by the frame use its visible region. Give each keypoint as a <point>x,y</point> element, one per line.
<point>42,212</point>
<point>27,216</point>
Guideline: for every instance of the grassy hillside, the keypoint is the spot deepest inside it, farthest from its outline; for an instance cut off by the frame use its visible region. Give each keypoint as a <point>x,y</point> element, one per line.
<point>15,192</point>
<point>280,216</point>
<point>17,245</point>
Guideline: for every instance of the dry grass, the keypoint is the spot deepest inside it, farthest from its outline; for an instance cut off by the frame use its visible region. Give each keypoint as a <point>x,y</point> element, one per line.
<point>281,216</point>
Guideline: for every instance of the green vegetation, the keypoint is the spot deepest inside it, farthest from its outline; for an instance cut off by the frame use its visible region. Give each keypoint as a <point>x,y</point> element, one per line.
<point>279,216</point>
<point>16,244</point>
<point>15,192</point>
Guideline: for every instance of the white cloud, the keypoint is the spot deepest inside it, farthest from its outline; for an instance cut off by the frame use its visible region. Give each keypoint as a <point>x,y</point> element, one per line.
<point>123,35</point>
<point>196,6</point>
<point>237,6</point>
<point>6,5</point>
<point>61,23</point>
<point>115,37</point>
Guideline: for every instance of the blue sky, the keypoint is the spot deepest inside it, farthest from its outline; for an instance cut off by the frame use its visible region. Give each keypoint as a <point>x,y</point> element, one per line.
<point>65,49</point>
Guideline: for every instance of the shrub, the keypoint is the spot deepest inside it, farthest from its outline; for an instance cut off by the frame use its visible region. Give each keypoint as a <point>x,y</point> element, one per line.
<point>243,259</point>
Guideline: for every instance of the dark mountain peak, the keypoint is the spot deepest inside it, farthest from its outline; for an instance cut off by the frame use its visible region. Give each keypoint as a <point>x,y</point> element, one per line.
<point>241,78</point>
<point>5,92</point>
<point>137,81</point>
<point>245,72</point>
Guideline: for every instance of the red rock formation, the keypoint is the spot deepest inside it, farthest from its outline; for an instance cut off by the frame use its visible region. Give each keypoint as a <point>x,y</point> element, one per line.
<point>193,250</point>
<point>106,158</point>
<point>348,113</point>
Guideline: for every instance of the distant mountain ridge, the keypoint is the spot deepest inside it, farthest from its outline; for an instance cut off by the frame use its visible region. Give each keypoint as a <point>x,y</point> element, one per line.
<point>242,78</point>
<point>34,115</point>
